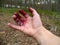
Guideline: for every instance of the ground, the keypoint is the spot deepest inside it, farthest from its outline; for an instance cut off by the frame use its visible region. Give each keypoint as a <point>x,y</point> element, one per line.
<point>9,36</point>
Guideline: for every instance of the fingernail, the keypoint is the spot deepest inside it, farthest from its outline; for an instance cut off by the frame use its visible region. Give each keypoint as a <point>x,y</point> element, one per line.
<point>14,16</point>
<point>9,23</point>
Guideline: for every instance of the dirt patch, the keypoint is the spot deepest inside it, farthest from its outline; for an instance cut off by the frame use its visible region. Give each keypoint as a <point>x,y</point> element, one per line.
<point>10,36</point>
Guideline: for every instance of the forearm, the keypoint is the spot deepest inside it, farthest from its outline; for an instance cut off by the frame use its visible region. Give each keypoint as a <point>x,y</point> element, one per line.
<point>44,37</point>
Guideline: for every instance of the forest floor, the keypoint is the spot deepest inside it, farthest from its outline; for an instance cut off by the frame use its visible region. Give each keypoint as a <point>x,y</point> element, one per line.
<point>10,36</point>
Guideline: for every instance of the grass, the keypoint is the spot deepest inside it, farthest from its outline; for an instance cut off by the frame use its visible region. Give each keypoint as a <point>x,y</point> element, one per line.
<point>12,10</point>
<point>48,12</point>
<point>8,10</point>
<point>53,14</point>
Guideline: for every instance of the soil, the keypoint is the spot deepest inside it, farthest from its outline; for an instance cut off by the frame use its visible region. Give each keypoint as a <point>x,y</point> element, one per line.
<point>9,36</point>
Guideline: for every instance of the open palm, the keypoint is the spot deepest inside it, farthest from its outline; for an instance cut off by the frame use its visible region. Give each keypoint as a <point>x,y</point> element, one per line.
<point>27,24</point>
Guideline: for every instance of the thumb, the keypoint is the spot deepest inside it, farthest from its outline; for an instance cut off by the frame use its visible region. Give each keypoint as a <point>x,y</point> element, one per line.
<point>15,26</point>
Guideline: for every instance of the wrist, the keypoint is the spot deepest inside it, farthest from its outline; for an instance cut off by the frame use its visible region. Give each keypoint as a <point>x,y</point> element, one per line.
<point>39,32</point>
<point>45,37</point>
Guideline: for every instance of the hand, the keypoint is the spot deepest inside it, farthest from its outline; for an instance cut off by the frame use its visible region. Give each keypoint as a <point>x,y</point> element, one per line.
<point>26,23</point>
<point>33,27</point>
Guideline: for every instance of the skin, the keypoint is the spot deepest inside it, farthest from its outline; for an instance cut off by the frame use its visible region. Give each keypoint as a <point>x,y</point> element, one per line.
<point>33,27</point>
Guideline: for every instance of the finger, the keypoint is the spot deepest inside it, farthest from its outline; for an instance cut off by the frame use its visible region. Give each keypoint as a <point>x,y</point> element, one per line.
<point>18,21</point>
<point>33,11</point>
<point>15,18</point>
<point>23,13</point>
<point>15,26</point>
<point>36,17</point>
<point>30,10</point>
<point>17,15</point>
<point>19,28</point>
